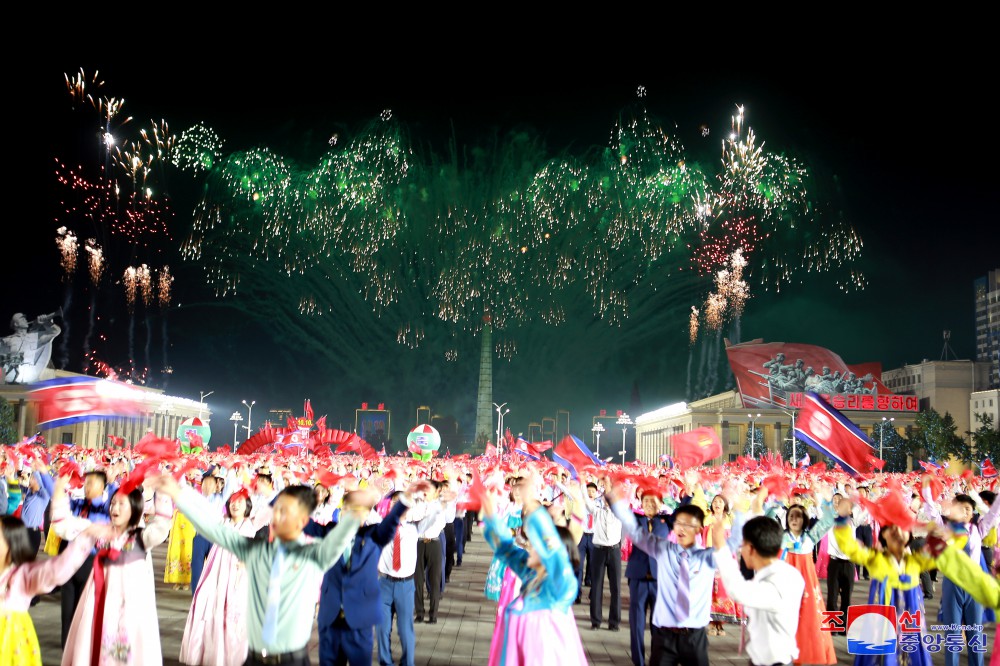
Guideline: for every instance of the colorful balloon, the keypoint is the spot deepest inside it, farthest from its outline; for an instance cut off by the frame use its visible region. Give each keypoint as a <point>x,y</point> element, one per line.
<point>423,441</point>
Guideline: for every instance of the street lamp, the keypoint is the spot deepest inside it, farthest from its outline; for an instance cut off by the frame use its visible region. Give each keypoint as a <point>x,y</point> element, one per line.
<point>624,421</point>
<point>597,430</point>
<point>500,415</point>
<point>753,432</point>
<point>881,436</point>
<point>235,418</point>
<point>249,425</point>
<point>201,400</point>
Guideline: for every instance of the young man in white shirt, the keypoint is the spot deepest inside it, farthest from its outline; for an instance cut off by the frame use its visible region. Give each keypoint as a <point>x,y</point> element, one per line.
<point>773,597</point>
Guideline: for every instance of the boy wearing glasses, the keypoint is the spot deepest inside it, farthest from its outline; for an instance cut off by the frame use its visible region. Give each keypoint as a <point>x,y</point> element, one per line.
<point>685,576</point>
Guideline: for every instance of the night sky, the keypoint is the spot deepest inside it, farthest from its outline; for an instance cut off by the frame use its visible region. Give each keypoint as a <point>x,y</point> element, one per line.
<point>900,155</point>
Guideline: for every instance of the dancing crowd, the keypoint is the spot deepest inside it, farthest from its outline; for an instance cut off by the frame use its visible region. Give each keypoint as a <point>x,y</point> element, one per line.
<point>273,545</point>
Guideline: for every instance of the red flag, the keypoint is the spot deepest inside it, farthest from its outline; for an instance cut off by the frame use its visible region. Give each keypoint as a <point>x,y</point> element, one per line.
<point>157,447</point>
<point>574,455</point>
<point>696,447</point>
<point>490,449</point>
<point>828,431</point>
<point>476,492</point>
<point>987,469</point>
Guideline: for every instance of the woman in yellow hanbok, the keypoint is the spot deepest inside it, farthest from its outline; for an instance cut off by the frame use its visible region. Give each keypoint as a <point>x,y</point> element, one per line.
<point>178,569</point>
<point>895,575</point>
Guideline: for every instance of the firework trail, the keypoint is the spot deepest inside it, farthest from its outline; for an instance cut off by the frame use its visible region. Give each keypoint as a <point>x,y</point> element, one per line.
<point>117,204</point>
<point>66,241</point>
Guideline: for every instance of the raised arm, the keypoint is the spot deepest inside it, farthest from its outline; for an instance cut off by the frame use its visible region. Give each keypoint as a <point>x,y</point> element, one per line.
<point>157,529</point>
<point>206,521</point>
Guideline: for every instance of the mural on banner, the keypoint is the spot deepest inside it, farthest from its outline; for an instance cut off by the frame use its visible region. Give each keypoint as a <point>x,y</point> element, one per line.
<point>776,374</point>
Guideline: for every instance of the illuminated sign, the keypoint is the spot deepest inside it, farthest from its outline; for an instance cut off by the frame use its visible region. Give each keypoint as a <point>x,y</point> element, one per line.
<point>872,403</point>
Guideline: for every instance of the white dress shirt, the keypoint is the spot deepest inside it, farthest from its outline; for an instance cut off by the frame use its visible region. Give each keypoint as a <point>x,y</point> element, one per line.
<point>431,525</point>
<point>772,601</point>
<point>607,528</point>
<point>407,552</point>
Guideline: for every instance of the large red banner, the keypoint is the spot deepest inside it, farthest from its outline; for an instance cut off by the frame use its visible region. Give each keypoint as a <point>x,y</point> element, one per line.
<point>776,374</point>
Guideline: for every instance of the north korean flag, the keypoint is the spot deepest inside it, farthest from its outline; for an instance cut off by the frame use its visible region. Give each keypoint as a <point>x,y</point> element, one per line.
<point>828,431</point>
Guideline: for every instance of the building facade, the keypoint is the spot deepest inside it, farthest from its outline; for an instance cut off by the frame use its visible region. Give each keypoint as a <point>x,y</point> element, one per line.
<point>726,414</point>
<point>987,297</point>
<point>944,386</point>
<point>984,403</point>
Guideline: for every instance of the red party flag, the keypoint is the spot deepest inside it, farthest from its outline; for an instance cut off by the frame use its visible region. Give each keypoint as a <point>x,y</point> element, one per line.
<point>696,447</point>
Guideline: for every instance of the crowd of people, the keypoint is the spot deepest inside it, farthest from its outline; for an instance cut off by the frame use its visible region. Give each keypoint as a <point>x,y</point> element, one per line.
<point>272,546</point>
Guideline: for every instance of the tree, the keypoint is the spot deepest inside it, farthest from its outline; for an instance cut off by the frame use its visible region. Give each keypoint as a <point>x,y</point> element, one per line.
<point>986,439</point>
<point>895,448</point>
<point>8,428</point>
<point>801,449</point>
<point>936,436</point>
<point>758,444</point>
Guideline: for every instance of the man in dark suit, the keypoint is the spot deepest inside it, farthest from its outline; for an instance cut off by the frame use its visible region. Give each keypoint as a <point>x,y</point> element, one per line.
<point>350,603</point>
<point>641,574</point>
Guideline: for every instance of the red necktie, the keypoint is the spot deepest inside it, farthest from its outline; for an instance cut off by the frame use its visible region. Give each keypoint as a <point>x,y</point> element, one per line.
<point>590,521</point>
<point>397,556</point>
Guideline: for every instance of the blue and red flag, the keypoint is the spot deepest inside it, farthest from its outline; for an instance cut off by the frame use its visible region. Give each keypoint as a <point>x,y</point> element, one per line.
<point>574,455</point>
<point>805,461</point>
<point>929,466</point>
<point>828,431</point>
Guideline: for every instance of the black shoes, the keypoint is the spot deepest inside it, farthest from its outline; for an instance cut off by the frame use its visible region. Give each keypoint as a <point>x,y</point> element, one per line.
<point>433,620</point>
<point>418,619</point>
<point>614,628</point>
<point>594,625</point>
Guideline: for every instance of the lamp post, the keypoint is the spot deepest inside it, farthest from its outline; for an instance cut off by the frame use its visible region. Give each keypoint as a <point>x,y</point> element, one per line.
<point>753,432</point>
<point>500,415</point>
<point>597,430</point>
<point>235,418</point>
<point>881,435</point>
<point>624,421</point>
<point>201,400</point>
<point>249,425</point>
<point>795,460</point>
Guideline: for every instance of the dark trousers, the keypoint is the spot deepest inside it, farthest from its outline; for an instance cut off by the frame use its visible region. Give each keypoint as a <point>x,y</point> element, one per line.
<point>585,548</point>
<point>470,523</point>
<point>685,648</point>
<point>71,591</point>
<point>606,559</point>
<point>199,552</point>
<point>449,549</point>
<point>839,581</point>
<point>302,661</point>
<point>864,534</point>
<point>642,598</point>
<point>459,540</point>
<point>35,539</point>
<point>340,645</point>
<point>428,575</point>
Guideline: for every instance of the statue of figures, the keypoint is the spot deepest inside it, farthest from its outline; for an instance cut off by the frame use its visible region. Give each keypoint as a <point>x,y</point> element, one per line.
<point>25,353</point>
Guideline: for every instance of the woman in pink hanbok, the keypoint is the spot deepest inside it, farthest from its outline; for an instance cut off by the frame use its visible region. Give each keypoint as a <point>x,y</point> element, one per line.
<point>215,633</point>
<point>115,622</point>
<point>537,626</point>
